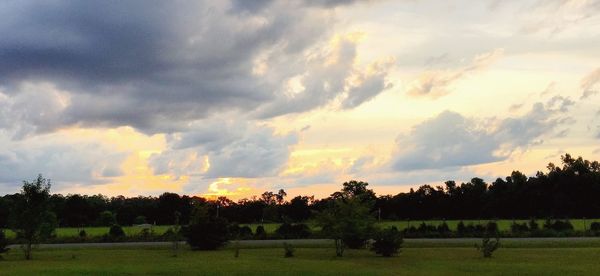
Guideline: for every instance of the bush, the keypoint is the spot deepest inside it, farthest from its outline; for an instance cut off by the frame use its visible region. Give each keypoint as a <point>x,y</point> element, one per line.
<point>387,242</point>
<point>518,228</point>
<point>260,233</point>
<point>82,234</point>
<point>491,228</point>
<point>533,225</point>
<point>293,231</point>
<point>595,227</point>
<point>461,228</point>
<point>288,250</point>
<point>356,240</point>
<point>3,243</point>
<point>245,232</point>
<point>558,225</point>
<point>488,246</point>
<point>239,233</point>
<point>107,218</point>
<point>116,232</point>
<point>208,234</point>
<point>443,229</point>
<point>139,220</point>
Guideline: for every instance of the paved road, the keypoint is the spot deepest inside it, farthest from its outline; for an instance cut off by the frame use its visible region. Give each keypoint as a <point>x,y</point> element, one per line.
<point>323,242</point>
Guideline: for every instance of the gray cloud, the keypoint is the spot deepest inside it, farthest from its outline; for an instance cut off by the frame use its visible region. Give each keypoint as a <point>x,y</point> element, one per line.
<point>141,65</point>
<point>452,140</point>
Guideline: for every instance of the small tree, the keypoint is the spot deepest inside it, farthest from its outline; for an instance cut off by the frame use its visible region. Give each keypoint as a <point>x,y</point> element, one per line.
<point>206,232</point>
<point>260,233</point>
<point>116,232</point>
<point>348,219</point>
<point>107,218</point>
<point>30,218</point>
<point>3,243</point>
<point>288,250</point>
<point>488,246</point>
<point>175,235</point>
<point>387,242</point>
<point>139,220</point>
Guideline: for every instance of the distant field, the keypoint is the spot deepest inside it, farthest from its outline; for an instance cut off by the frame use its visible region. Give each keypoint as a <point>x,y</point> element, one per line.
<point>308,261</point>
<point>504,225</point>
<point>99,231</point>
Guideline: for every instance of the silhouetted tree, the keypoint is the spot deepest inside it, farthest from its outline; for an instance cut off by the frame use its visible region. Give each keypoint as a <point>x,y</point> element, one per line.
<point>31,219</point>
<point>348,220</point>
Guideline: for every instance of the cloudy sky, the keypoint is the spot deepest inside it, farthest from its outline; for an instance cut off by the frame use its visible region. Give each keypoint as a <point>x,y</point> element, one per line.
<point>238,97</point>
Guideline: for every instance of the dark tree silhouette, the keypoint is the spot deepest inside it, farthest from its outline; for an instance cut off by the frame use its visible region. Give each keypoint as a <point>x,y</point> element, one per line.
<point>31,219</point>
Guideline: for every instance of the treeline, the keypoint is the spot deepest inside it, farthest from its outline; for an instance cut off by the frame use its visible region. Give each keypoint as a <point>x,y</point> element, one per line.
<point>568,191</point>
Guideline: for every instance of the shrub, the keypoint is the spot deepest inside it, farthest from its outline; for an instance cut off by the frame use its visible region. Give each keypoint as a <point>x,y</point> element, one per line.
<point>116,232</point>
<point>245,232</point>
<point>293,231</point>
<point>237,232</point>
<point>107,218</point>
<point>236,249</point>
<point>3,243</point>
<point>145,233</point>
<point>488,246</point>
<point>260,233</point>
<point>533,225</point>
<point>491,228</point>
<point>461,229</point>
<point>208,234</point>
<point>288,250</point>
<point>82,234</point>
<point>558,225</point>
<point>387,242</point>
<point>595,227</point>
<point>519,227</point>
<point>443,229</point>
<point>234,231</point>
<point>139,220</point>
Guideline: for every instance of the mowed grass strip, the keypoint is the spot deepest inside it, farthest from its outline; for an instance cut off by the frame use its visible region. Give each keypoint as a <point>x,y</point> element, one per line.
<point>307,261</point>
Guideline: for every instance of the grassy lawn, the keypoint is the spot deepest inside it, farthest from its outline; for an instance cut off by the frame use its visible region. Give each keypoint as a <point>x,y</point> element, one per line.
<point>320,261</point>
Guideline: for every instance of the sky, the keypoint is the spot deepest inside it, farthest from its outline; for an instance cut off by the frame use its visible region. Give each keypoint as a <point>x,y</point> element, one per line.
<point>238,97</point>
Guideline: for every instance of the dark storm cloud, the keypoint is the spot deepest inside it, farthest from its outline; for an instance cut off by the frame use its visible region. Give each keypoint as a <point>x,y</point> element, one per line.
<point>156,65</point>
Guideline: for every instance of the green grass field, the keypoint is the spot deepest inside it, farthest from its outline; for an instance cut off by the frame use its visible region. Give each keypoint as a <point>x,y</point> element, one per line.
<point>313,261</point>
<point>504,225</point>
